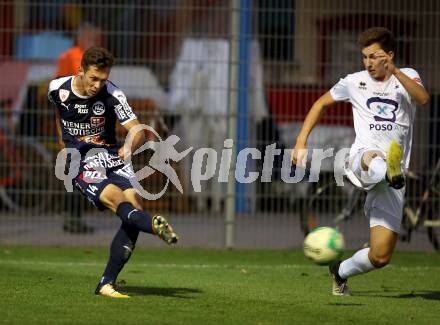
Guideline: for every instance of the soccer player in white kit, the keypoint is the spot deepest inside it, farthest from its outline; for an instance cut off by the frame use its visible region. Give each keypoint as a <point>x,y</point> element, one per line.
<point>384,100</point>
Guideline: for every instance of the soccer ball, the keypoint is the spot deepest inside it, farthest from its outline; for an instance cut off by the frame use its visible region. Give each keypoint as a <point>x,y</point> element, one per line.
<point>324,245</point>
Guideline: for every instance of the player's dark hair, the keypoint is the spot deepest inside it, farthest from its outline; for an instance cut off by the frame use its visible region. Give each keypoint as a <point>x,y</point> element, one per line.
<point>97,56</point>
<point>379,35</point>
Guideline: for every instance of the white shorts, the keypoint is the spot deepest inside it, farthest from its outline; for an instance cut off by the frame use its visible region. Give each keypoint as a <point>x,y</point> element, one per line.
<point>384,204</point>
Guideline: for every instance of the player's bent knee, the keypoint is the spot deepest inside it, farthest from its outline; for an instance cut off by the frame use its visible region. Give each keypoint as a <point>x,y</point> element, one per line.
<point>379,261</point>
<point>112,196</point>
<point>368,156</point>
<point>134,198</point>
<point>138,205</point>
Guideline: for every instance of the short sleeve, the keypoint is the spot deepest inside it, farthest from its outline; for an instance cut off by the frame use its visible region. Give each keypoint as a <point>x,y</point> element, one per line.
<point>52,92</point>
<point>339,91</point>
<point>413,74</point>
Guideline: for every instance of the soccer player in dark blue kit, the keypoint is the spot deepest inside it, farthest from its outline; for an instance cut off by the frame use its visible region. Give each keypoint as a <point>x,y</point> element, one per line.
<point>87,108</point>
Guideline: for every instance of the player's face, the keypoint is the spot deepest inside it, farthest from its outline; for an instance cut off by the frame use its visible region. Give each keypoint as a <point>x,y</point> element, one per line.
<point>372,64</point>
<point>94,79</point>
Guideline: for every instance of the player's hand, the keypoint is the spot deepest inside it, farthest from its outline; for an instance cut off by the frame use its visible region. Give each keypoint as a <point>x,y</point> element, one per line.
<point>299,155</point>
<point>386,60</point>
<point>124,153</point>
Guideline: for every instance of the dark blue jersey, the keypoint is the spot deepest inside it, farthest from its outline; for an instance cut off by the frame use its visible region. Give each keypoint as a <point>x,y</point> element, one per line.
<point>89,122</point>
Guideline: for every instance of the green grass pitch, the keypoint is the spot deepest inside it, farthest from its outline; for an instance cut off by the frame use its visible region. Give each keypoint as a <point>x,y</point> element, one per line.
<point>191,286</point>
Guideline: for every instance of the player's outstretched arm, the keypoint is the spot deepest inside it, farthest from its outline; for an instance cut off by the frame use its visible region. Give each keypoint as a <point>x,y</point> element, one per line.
<point>299,154</point>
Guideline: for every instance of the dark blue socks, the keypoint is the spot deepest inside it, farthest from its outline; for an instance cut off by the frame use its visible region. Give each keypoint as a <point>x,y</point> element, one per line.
<point>134,217</point>
<point>120,251</point>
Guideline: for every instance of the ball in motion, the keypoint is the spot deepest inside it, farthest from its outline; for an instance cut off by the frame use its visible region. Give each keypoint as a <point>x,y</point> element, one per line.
<point>324,245</point>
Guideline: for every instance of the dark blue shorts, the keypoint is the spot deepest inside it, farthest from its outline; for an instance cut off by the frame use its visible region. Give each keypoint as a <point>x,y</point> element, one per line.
<point>97,172</point>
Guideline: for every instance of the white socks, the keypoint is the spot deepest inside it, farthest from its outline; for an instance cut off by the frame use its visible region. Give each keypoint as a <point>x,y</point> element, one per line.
<point>357,264</point>
<point>377,169</point>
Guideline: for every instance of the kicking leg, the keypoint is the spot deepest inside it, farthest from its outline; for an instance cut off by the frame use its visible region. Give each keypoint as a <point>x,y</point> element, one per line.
<point>374,164</point>
<point>115,199</point>
<point>378,167</point>
<point>160,225</point>
<point>394,174</point>
<point>127,205</point>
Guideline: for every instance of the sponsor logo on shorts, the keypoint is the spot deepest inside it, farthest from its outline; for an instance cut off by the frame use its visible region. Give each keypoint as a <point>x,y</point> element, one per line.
<point>92,176</point>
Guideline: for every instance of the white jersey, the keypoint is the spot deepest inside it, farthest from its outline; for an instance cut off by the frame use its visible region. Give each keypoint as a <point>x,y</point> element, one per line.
<point>382,110</point>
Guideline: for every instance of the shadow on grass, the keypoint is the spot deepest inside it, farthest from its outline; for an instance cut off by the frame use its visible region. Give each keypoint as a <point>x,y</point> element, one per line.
<point>424,294</point>
<point>340,304</point>
<point>166,292</point>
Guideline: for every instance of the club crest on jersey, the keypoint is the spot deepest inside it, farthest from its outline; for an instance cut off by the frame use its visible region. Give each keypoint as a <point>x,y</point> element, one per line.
<point>384,108</point>
<point>97,121</point>
<point>64,94</point>
<point>98,108</point>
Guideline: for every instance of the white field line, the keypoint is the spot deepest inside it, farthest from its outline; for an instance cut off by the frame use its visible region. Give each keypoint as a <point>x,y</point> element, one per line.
<point>202,266</point>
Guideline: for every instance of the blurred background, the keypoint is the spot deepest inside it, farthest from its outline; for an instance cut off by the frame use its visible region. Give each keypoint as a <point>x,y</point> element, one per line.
<point>204,70</point>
